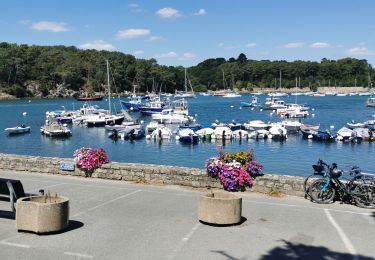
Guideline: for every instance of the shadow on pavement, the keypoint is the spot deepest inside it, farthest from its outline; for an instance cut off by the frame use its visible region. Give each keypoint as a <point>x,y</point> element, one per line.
<point>298,251</point>
<point>243,220</point>
<point>7,214</point>
<point>301,251</point>
<point>73,225</point>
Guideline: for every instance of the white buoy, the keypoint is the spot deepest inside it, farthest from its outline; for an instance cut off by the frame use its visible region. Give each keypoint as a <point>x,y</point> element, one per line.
<point>271,113</point>
<point>131,108</point>
<point>313,109</point>
<point>261,109</point>
<point>232,106</point>
<point>29,101</point>
<point>142,122</point>
<point>24,113</point>
<point>309,136</point>
<point>240,108</point>
<point>148,136</point>
<point>177,137</point>
<point>252,109</point>
<point>332,126</point>
<point>313,115</point>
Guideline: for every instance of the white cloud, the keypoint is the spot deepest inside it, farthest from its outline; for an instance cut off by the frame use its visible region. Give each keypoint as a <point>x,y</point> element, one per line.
<point>168,13</point>
<point>24,22</point>
<point>251,45</point>
<point>49,26</point>
<point>188,56</point>
<point>200,12</point>
<point>170,54</point>
<point>292,45</point>
<point>139,52</point>
<point>360,51</point>
<point>97,45</point>
<point>132,33</point>
<point>154,38</point>
<point>228,46</point>
<point>320,45</point>
<point>135,8</point>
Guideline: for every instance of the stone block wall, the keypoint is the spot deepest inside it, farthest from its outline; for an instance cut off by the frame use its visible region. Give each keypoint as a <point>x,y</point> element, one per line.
<point>148,173</point>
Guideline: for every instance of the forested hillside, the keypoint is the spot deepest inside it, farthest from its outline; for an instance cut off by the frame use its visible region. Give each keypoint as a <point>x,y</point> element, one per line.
<point>41,70</point>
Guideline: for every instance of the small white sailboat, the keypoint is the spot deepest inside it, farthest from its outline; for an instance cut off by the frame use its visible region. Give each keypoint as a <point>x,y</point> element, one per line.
<point>186,93</point>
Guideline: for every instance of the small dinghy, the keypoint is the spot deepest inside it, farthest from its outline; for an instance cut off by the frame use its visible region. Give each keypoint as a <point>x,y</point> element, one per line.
<point>21,129</point>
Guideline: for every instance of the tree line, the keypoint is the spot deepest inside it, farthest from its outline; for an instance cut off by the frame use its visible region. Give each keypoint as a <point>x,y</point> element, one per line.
<point>51,66</point>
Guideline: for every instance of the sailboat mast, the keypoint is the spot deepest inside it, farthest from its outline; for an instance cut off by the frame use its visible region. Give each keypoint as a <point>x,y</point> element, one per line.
<point>185,81</point>
<point>109,88</point>
<point>280,80</point>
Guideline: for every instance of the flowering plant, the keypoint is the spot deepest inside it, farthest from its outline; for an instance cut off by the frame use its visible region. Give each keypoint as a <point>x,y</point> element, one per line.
<point>234,170</point>
<point>89,159</point>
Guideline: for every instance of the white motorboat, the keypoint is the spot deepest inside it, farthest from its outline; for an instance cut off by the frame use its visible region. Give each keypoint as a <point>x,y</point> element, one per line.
<point>370,102</point>
<point>162,132</point>
<point>341,95</point>
<point>291,125</point>
<point>21,129</point>
<point>205,133</point>
<point>54,129</point>
<point>180,106</point>
<point>186,135</point>
<point>152,126</point>
<point>310,127</point>
<point>353,125</point>
<point>278,94</point>
<point>232,95</point>
<point>347,135</point>
<point>169,117</point>
<point>365,94</point>
<point>278,104</point>
<point>256,125</point>
<point>277,132</point>
<point>222,133</point>
<point>240,134</point>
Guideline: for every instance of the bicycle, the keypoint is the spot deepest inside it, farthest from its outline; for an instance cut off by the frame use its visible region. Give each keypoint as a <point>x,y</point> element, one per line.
<point>360,189</point>
<point>320,169</point>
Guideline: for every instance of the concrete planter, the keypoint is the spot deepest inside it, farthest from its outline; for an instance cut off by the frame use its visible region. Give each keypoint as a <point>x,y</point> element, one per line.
<point>222,208</point>
<point>41,215</point>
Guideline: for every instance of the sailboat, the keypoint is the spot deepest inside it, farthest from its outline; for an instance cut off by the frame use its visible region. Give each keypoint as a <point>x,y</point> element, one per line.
<point>186,93</point>
<point>371,100</point>
<point>103,119</point>
<point>232,93</point>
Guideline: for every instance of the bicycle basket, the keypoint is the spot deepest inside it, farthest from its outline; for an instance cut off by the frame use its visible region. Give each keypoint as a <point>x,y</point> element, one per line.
<point>318,169</point>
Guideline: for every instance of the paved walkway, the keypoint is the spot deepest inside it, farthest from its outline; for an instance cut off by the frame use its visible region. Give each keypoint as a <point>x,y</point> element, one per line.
<point>118,220</point>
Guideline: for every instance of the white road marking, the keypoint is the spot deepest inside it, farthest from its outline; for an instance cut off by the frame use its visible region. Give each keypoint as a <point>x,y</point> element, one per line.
<point>105,203</point>
<point>349,246</point>
<point>183,241</point>
<point>307,207</point>
<point>78,254</point>
<point>14,244</point>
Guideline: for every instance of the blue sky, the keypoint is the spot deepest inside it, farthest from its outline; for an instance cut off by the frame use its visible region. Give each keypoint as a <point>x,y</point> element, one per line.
<point>188,32</point>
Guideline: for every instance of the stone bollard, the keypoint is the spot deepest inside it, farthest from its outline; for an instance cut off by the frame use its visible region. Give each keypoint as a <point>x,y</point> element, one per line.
<point>40,216</point>
<point>221,208</point>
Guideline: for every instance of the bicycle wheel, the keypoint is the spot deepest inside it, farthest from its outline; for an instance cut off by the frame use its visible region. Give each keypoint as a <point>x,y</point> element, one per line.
<point>363,193</point>
<point>307,184</point>
<point>319,194</point>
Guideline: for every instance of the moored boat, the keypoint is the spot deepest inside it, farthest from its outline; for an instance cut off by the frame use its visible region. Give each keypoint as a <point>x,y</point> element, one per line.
<point>21,129</point>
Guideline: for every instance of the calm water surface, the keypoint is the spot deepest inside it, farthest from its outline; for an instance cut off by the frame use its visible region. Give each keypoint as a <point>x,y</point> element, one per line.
<point>293,156</point>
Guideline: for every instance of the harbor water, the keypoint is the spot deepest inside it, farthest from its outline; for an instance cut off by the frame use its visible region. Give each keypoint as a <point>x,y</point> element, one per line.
<point>293,156</point>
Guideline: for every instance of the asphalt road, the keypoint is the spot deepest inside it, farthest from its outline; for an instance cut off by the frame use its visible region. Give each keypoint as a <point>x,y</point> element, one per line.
<point>119,220</point>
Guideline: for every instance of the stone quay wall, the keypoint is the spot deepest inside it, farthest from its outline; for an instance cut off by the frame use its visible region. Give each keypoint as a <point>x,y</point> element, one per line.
<point>148,174</point>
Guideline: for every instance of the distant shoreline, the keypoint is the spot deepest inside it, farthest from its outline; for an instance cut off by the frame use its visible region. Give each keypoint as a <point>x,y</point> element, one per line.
<point>323,90</point>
